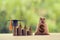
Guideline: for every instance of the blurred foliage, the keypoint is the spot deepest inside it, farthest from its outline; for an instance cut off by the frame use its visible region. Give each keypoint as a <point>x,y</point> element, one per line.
<point>30,11</point>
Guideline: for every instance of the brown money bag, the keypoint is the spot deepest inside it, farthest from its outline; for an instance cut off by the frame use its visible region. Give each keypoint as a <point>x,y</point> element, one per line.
<point>42,27</point>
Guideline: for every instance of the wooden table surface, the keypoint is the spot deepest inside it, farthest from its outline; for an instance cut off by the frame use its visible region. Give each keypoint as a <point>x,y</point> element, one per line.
<point>52,36</point>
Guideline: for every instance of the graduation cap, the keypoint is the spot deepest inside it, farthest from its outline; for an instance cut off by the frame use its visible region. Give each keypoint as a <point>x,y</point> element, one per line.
<point>15,22</point>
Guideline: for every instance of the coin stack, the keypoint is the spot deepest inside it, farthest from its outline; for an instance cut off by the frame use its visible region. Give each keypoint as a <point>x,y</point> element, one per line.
<point>24,31</point>
<point>29,32</point>
<point>19,30</point>
<point>14,31</point>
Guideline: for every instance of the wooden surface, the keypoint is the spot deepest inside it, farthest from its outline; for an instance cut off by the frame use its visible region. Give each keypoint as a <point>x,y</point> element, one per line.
<point>52,36</point>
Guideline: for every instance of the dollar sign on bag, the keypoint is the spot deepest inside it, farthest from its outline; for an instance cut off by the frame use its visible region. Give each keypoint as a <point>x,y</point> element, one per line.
<point>41,28</point>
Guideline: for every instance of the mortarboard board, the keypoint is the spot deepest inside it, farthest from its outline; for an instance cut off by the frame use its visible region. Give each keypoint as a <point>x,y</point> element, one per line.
<point>15,22</point>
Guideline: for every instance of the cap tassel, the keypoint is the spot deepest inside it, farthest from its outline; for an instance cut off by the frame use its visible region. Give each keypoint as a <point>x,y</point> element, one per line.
<point>10,25</point>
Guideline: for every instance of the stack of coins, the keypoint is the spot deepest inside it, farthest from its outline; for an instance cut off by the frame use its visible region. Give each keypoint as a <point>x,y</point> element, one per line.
<point>14,31</point>
<point>24,31</point>
<point>29,32</point>
<point>19,30</point>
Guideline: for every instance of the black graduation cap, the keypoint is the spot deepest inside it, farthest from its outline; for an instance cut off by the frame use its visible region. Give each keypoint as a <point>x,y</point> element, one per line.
<point>15,22</point>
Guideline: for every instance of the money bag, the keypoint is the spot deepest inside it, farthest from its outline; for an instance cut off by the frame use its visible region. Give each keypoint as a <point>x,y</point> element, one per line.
<point>42,28</point>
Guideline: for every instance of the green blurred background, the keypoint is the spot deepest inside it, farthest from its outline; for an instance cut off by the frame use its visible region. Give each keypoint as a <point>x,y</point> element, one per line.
<point>30,11</point>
